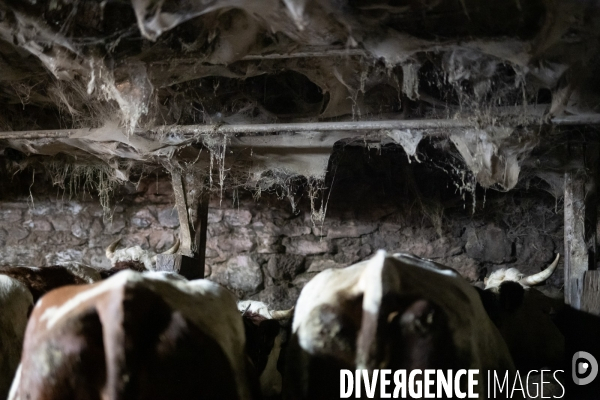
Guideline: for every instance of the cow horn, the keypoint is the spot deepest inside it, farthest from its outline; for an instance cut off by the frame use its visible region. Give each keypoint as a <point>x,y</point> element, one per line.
<point>540,276</point>
<point>283,314</point>
<point>173,249</point>
<point>110,250</point>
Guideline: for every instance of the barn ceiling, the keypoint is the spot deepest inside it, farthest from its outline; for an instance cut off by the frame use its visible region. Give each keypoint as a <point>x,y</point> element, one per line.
<point>272,85</point>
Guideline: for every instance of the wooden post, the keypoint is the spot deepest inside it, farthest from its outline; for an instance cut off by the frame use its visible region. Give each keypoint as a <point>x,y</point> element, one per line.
<point>181,264</point>
<point>185,234</point>
<point>193,238</point>
<point>581,281</point>
<point>590,299</point>
<point>576,254</point>
<point>200,230</point>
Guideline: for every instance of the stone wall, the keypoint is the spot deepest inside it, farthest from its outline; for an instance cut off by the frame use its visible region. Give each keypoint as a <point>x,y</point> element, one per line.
<point>263,250</point>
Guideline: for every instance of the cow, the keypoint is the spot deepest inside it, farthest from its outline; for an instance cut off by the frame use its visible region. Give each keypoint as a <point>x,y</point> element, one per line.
<point>135,335</point>
<point>391,312</point>
<point>40,281</point>
<point>525,317</point>
<point>20,288</point>
<point>16,302</point>
<point>134,258</point>
<point>267,332</point>
<point>542,332</point>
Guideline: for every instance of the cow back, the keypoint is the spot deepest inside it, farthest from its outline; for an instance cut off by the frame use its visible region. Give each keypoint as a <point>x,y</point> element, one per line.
<point>134,336</point>
<point>15,304</point>
<point>42,280</point>
<point>369,315</point>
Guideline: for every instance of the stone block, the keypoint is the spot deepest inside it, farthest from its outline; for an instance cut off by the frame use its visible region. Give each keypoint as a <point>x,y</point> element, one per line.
<point>96,258</point>
<point>302,279</point>
<point>115,226</point>
<point>160,240</point>
<point>293,230</point>
<point>279,297</point>
<point>214,215</point>
<point>61,222</point>
<point>322,265</point>
<point>217,229</point>
<point>488,244</point>
<point>39,224</point>
<point>268,244</point>
<point>306,245</point>
<point>64,257</point>
<point>11,215</point>
<point>237,217</point>
<point>40,209</point>
<point>240,273</point>
<point>96,228</point>
<point>266,228</point>
<point>79,231</point>
<point>168,217</point>
<point>142,219</point>
<point>350,230</point>
<point>241,240</point>
<point>285,266</point>
<point>535,249</point>
<point>17,233</point>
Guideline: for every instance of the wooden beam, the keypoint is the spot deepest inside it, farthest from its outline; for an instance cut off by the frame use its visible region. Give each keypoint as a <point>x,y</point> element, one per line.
<point>590,299</point>
<point>436,126</point>
<point>592,154</point>
<point>185,234</point>
<point>576,249</point>
<point>181,264</point>
<point>200,230</point>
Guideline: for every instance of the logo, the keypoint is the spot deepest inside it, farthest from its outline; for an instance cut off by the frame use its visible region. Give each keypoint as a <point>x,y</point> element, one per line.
<point>584,367</point>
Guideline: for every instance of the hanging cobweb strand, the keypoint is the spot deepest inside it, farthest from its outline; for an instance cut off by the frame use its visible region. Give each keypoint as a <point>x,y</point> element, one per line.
<point>317,215</point>
<point>223,149</point>
<point>217,148</point>
<point>77,179</point>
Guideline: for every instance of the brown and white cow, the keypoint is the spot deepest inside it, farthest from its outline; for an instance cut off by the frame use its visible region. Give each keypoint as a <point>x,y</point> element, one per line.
<point>20,288</point>
<point>135,336</point>
<point>16,302</point>
<point>267,332</point>
<point>392,312</point>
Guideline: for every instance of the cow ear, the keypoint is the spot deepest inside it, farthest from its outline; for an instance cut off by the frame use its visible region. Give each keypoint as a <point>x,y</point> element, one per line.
<point>511,295</point>
<point>490,303</point>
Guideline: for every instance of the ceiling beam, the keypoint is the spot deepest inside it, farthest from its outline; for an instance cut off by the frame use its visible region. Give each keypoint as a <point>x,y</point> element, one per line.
<point>436,126</point>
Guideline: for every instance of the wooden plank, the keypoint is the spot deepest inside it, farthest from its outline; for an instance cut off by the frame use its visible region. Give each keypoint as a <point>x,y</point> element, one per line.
<point>200,230</point>
<point>185,234</point>
<point>590,299</point>
<point>437,127</point>
<point>181,264</point>
<point>576,251</point>
<point>592,151</point>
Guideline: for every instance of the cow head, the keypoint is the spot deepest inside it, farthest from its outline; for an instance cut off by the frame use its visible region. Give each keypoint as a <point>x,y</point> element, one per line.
<point>525,317</point>
<point>266,336</point>
<point>502,275</point>
<point>134,257</point>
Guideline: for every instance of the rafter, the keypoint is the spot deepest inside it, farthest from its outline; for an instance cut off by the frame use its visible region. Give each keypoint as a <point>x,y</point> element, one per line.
<point>433,126</point>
